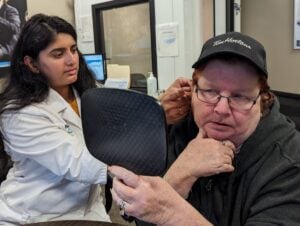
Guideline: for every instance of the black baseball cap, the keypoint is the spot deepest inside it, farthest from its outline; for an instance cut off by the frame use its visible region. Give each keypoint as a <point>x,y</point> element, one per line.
<point>234,43</point>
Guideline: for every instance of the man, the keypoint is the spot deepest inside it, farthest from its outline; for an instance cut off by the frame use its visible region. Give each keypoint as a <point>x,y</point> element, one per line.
<point>235,160</point>
<point>9,28</point>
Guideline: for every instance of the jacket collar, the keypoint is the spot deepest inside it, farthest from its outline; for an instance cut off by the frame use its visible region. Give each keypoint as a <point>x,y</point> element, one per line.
<point>58,105</point>
<point>263,139</point>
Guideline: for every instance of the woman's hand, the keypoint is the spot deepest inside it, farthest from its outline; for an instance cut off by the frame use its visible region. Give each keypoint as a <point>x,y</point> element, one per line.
<point>201,158</point>
<point>151,199</point>
<point>176,100</point>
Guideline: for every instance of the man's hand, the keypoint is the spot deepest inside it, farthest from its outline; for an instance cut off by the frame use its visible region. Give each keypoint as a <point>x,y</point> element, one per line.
<point>202,157</point>
<point>152,199</point>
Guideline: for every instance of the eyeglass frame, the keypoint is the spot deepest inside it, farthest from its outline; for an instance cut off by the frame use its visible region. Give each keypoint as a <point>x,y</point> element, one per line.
<point>229,98</point>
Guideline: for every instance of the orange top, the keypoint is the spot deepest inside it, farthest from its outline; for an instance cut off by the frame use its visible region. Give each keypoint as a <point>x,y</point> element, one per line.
<point>74,106</point>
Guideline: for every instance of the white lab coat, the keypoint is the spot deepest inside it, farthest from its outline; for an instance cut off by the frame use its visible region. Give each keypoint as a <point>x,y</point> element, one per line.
<point>53,171</point>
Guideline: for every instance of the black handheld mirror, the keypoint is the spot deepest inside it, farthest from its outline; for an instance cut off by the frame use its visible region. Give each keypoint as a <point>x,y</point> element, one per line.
<point>125,128</point>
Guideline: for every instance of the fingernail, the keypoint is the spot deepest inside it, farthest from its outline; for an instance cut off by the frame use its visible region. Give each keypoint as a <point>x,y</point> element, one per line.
<point>111,175</point>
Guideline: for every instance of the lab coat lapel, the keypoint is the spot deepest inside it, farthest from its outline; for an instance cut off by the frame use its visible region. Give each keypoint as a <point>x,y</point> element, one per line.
<point>70,115</point>
<point>59,105</point>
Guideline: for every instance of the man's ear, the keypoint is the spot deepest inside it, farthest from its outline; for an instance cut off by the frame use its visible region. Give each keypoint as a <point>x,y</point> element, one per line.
<point>31,64</point>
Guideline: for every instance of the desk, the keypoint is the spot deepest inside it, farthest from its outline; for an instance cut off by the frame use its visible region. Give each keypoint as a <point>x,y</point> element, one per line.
<point>74,223</point>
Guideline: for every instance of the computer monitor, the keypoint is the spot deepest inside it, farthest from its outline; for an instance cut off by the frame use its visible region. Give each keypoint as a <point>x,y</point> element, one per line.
<point>95,65</point>
<point>4,64</point>
<point>4,69</point>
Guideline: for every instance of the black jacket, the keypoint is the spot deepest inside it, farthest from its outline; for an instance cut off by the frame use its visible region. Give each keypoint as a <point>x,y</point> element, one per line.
<point>264,188</point>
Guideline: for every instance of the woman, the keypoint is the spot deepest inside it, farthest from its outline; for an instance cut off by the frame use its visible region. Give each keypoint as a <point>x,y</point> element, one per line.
<point>53,176</point>
<point>234,161</point>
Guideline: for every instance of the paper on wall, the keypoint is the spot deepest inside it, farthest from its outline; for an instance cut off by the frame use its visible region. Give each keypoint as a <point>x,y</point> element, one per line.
<point>85,28</point>
<point>167,40</point>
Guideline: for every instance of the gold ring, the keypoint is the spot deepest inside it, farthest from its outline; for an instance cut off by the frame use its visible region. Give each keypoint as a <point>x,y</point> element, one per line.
<point>122,207</point>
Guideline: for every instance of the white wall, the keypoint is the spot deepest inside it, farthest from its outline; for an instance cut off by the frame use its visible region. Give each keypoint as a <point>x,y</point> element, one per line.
<point>237,15</point>
<point>84,24</point>
<point>187,14</point>
<point>220,17</point>
<point>184,12</point>
<point>64,9</point>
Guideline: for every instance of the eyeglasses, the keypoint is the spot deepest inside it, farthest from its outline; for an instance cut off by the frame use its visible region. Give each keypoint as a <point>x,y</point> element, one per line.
<point>238,102</point>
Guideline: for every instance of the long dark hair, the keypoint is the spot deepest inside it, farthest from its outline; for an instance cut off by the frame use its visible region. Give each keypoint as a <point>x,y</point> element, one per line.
<point>24,87</point>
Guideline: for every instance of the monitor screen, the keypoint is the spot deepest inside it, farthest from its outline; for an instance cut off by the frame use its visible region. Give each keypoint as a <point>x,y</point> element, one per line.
<point>95,65</point>
<point>4,64</point>
<point>4,69</point>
